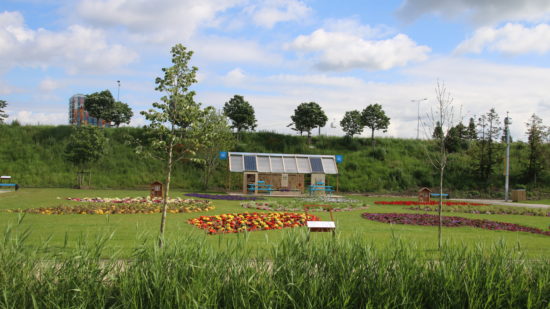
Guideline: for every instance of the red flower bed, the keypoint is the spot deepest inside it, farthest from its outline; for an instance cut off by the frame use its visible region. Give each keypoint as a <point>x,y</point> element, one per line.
<point>415,203</point>
<point>234,223</point>
<point>433,220</point>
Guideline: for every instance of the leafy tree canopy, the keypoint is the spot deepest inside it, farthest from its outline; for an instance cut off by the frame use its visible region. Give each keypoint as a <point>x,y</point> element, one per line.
<point>351,123</point>
<point>241,113</point>
<point>122,113</point>
<point>308,116</point>
<point>86,146</point>
<point>100,105</point>
<point>374,117</point>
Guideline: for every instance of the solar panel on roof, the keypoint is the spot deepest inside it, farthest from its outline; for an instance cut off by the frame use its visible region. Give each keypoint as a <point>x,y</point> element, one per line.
<point>316,165</point>
<point>250,163</point>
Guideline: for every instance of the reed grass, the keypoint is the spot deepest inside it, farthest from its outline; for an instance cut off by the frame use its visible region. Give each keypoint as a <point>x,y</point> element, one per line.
<point>190,272</point>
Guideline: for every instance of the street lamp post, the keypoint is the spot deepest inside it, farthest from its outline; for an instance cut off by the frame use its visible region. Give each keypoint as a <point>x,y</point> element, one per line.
<point>418,120</point>
<point>118,93</point>
<point>507,123</point>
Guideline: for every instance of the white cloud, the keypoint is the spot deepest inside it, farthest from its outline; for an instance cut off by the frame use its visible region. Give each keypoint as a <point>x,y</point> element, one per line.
<point>353,26</point>
<point>155,21</point>
<point>478,11</point>
<point>223,49</point>
<point>341,51</point>
<point>30,117</point>
<point>77,48</point>
<point>49,84</point>
<point>235,76</point>
<point>509,39</point>
<point>270,12</point>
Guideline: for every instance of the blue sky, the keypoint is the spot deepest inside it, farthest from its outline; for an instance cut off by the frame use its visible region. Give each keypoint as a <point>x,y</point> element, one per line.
<point>279,53</point>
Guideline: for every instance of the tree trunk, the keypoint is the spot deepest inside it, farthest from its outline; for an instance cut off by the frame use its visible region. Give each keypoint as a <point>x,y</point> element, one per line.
<point>166,194</point>
<point>372,137</point>
<point>309,137</point>
<point>439,208</point>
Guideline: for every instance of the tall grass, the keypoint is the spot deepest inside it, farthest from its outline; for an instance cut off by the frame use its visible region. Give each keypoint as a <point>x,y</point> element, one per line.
<point>295,273</point>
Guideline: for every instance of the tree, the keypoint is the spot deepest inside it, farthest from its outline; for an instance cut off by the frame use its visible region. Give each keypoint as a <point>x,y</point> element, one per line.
<point>441,116</point>
<point>536,133</point>
<point>100,105</point>
<point>86,146</point>
<point>374,117</point>
<point>438,131</point>
<point>488,135</point>
<point>351,123</point>
<point>241,114</point>
<point>175,121</point>
<point>216,125</point>
<point>456,138</point>
<point>471,133</point>
<point>122,113</point>
<point>3,115</point>
<point>308,116</point>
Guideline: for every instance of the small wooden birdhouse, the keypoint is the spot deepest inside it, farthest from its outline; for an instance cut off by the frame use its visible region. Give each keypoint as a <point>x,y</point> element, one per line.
<point>424,195</point>
<point>156,189</point>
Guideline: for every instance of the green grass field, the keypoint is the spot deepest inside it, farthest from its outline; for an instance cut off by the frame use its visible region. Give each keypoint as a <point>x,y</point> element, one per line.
<point>129,230</point>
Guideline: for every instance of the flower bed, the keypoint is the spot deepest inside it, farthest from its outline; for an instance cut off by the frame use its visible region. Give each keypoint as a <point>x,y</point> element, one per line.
<point>433,220</point>
<point>299,206</point>
<point>240,222</point>
<point>100,208</point>
<point>128,200</point>
<point>493,210</point>
<point>225,197</point>
<point>415,203</point>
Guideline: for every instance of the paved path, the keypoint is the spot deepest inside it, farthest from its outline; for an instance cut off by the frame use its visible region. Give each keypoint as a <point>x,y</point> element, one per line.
<point>502,202</point>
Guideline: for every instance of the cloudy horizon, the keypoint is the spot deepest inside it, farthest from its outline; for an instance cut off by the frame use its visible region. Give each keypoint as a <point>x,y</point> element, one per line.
<point>280,53</point>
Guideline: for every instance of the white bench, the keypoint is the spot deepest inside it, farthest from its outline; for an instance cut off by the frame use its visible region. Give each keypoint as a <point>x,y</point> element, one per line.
<point>320,226</point>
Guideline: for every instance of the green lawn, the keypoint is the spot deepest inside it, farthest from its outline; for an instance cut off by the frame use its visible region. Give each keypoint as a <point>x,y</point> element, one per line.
<point>545,202</point>
<point>129,230</point>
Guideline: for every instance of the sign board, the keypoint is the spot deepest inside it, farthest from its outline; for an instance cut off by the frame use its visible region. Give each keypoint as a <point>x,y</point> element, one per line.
<point>339,158</point>
<point>223,155</point>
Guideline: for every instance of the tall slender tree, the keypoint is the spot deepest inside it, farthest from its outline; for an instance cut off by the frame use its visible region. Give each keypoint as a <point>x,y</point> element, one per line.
<point>241,113</point>
<point>3,114</point>
<point>536,134</point>
<point>175,121</point>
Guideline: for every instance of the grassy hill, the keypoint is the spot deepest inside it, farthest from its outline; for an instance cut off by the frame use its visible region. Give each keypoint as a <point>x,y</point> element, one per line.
<point>33,155</point>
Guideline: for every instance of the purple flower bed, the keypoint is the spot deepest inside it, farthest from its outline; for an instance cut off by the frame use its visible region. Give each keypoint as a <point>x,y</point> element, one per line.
<point>433,220</point>
<point>225,197</point>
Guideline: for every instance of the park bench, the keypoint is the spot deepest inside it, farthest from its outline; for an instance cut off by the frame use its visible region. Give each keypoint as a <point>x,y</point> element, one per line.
<point>5,183</point>
<point>260,187</point>
<point>445,195</point>
<point>320,226</point>
<point>320,187</point>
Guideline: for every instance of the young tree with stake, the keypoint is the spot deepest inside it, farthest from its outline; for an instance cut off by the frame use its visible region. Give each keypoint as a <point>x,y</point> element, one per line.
<point>442,117</point>
<point>175,121</point>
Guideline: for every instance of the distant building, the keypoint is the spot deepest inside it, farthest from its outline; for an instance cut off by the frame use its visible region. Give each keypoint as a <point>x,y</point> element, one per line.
<point>78,114</point>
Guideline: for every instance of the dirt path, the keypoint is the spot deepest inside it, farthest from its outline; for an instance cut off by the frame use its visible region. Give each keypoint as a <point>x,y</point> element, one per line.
<point>502,202</point>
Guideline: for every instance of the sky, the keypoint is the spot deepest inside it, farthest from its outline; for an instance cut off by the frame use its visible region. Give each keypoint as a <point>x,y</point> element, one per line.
<point>344,55</point>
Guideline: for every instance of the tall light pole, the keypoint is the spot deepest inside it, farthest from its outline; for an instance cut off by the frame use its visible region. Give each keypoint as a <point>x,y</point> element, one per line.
<point>118,93</point>
<point>507,123</point>
<point>418,123</point>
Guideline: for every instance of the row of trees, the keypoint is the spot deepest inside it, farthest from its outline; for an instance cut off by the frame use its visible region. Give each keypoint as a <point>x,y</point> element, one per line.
<point>372,117</point>
<point>3,115</point>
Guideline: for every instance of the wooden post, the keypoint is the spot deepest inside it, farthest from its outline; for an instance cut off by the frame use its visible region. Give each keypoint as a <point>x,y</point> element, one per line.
<point>337,191</point>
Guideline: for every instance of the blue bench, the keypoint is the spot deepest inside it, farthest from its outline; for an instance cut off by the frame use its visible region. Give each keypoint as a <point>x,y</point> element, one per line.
<point>14,185</point>
<point>445,195</point>
<point>260,187</point>
<point>320,188</point>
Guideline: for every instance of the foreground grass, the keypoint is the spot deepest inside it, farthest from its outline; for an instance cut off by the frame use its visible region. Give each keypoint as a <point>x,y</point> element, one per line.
<point>62,232</point>
<point>191,272</point>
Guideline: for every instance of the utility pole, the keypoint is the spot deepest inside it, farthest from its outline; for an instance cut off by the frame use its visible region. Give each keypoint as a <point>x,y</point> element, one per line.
<point>507,123</point>
<point>118,93</point>
<point>418,122</point>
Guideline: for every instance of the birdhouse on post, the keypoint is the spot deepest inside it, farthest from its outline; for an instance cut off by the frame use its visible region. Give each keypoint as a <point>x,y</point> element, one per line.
<point>156,189</point>
<point>424,195</point>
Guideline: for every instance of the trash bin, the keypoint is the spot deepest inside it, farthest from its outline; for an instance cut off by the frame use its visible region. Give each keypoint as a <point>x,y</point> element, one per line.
<point>519,195</point>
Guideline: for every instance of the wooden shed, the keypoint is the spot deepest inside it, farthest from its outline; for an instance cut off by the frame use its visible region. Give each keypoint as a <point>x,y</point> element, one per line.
<point>266,172</point>
<point>156,189</point>
<point>424,195</point>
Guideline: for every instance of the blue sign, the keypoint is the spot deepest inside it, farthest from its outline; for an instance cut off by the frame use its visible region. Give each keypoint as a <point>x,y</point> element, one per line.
<point>339,158</point>
<point>223,155</point>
